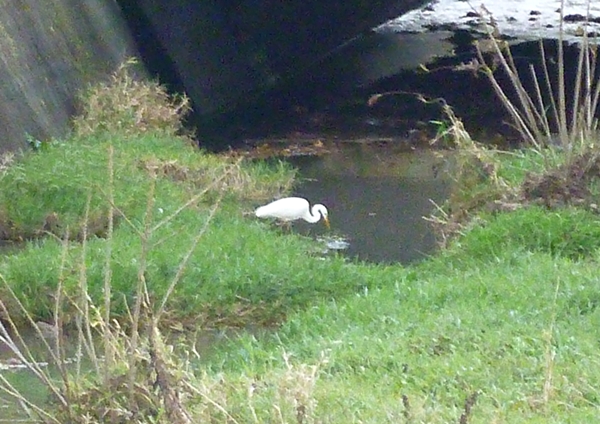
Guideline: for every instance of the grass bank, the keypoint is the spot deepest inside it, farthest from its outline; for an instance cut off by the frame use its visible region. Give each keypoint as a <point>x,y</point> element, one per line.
<point>508,339</point>
<point>486,332</point>
<point>98,204</point>
<point>242,272</point>
<point>128,230</point>
<point>500,326</point>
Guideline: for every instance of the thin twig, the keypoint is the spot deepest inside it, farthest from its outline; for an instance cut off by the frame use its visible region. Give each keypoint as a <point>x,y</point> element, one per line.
<point>212,402</point>
<point>84,292</point>
<point>197,197</point>
<point>26,358</point>
<point>562,102</point>
<point>550,91</point>
<point>26,404</point>
<point>186,258</point>
<point>58,321</point>
<point>141,289</point>
<point>550,354</point>
<point>106,330</point>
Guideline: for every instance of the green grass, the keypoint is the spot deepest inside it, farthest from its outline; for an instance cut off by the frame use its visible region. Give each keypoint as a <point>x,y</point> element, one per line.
<point>240,273</point>
<point>569,232</point>
<point>437,333</point>
<point>517,164</point>
<point>508,312</point>
<point>60,180</point>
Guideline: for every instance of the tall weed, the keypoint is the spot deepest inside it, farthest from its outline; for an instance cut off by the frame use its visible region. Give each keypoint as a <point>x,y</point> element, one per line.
<point>129,105</point>
<point>540,107</point>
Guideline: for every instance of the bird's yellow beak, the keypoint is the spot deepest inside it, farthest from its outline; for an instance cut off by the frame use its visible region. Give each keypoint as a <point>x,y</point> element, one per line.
<point>326,220</point>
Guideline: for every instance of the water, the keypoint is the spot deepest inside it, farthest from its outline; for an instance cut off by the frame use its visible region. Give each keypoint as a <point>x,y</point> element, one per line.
<point>377,198</point>
<point>27,383</point>
<point>22,379</point>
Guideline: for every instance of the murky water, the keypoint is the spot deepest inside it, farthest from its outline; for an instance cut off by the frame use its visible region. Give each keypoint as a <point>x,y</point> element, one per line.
<point>22,379</point>
<point>377,198</point>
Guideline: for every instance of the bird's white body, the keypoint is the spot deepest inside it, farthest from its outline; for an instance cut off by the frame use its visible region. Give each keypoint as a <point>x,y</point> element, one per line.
<point>293,208</point>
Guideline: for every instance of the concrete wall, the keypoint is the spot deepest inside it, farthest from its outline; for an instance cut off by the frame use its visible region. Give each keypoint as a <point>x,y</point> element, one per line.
<point>48,51</point>
<point>221,53</point>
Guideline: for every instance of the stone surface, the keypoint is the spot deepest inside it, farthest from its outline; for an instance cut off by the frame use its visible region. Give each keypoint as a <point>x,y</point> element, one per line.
<point>523,19</point>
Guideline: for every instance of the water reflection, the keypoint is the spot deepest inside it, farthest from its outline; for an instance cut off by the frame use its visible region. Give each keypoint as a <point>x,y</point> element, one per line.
<point>377,197</point>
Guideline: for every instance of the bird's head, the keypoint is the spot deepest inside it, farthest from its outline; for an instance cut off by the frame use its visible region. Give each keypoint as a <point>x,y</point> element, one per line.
<point>322,210</point>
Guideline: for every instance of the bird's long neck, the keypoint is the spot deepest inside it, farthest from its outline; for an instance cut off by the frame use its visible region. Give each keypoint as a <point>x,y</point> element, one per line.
<point>313,216</point>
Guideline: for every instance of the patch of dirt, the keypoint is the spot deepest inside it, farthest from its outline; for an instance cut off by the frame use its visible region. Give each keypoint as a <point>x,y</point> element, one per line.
<point>569,184</point>
<point>7,231</point>
<point>170,169</point>
<point>317,144</point>
<point>53,225</point>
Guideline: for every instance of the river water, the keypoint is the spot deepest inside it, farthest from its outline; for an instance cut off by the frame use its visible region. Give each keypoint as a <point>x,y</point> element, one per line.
<point>377,199</point>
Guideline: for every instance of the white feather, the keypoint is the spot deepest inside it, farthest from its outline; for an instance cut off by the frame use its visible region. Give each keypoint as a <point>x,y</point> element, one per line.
<point>293,208</point>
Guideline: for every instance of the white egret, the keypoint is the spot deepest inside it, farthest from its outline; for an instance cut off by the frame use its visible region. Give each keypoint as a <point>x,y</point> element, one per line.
<point>292,208</point>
